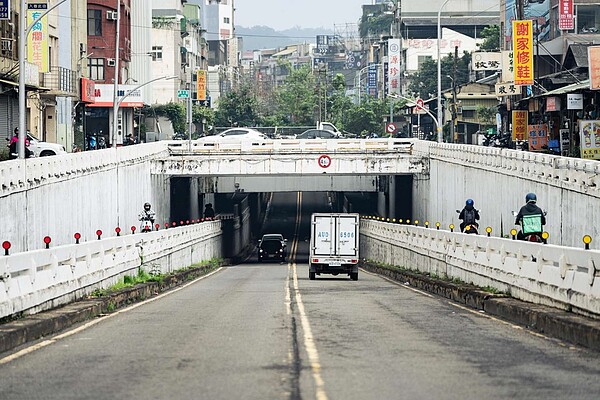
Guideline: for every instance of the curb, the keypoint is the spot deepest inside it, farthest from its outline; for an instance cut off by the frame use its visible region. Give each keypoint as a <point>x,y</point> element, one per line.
<point>553,322</point>
<point>33,327</point>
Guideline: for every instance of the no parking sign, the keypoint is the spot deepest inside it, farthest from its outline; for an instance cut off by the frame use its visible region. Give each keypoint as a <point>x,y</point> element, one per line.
<point>324,161</point>
<point>390,127</point>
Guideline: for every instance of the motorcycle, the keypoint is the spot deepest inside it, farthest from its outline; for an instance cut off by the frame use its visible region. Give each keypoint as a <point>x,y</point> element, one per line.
<point>472,228</point>
<point>146,225</point>
<point>532,237</point>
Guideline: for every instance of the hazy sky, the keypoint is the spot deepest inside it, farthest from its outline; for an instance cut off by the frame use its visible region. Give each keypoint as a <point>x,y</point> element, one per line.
<point>282,14</point>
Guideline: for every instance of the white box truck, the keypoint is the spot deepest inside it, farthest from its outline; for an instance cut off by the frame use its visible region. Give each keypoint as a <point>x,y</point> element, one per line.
<point>334,245</point>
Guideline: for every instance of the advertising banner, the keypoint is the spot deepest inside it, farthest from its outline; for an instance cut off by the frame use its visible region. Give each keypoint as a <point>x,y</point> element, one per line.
<point>201,84</point>
<point>535,10</point>
<point>394,66</point>
<point>486,61</point>
<point>520,119</point>
<point>594,65</point>
<point>538,137</point>
<point>523,52</point>
<point>589,132</point>
<point>37,41</point>
<point>566,20</point>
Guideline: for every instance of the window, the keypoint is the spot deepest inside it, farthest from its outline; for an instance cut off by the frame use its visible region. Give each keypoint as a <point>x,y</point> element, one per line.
<point>423,59</point>
<point>468,113</point>
<point>96,67</point>
<point>588,19</point>
<point>226,20</point>
<point>157,53</point>
<point>94,18</point>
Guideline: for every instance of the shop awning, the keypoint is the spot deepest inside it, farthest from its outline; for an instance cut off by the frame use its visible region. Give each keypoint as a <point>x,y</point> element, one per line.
<point>568,89</point>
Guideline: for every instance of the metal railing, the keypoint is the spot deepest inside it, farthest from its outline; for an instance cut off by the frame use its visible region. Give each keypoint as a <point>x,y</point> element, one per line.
<point>60,81</point>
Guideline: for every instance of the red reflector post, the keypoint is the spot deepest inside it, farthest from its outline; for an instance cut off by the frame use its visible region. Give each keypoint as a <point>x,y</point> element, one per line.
<point>77,236</point>
<point>6,247</point>
<point>47,240</point>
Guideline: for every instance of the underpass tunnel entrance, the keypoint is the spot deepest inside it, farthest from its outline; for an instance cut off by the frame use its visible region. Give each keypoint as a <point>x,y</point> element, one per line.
<point>248,214</point>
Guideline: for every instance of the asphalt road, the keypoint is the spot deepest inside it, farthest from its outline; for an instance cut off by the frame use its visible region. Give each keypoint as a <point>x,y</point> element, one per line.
<point>265,331</point>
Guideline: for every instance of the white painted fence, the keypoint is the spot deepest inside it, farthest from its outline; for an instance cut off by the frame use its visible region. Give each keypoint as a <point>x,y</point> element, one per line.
<point>567,278</point>
<point>42,279</point>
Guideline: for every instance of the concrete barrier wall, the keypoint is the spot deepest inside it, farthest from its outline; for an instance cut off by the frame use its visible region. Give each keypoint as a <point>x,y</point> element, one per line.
<point>498,180</point>
<point>562,277</point>
<point>79,192</point>
<point>42,279</point>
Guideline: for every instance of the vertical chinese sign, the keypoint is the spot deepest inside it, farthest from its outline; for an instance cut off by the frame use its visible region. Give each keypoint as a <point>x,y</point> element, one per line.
<point>523,52</point>
<point>37,41</point>
<point>394,66</point>
<point>594,66</point>
<point>201,84</point>
<point>589,132</point>
<point>566,21</point>
<point>519,124</point>
<point>538,137</point>
<point>372,80</point>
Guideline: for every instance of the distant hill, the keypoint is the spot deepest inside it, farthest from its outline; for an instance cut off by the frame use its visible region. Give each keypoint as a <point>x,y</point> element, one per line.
<point>264,37</point>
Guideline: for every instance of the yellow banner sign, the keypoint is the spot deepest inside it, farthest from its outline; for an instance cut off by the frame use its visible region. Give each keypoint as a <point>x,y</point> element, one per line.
<point>201,84</point>
<point>523,52</point>
<point>519,124</point>
<point>37,41</point>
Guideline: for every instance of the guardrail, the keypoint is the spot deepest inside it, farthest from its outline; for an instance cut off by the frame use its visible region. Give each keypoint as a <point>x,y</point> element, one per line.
<point>37,280</point>
<point>562,277</point>
<point>293,146</point>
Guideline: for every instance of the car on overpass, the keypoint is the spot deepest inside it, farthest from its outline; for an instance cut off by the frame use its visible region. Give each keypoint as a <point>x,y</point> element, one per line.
<point>235,135</point>
<point>318,134</point>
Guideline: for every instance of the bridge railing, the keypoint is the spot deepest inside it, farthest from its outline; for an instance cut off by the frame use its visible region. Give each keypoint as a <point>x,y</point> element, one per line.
<point>564,277</point>
<point>293,145</point>
<point>41,279</point>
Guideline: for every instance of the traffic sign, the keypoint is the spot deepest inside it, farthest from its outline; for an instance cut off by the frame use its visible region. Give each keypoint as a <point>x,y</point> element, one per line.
<point>390,127</point>
<point>183,94</point>
<point>324,161</point>
<point>420,104</point>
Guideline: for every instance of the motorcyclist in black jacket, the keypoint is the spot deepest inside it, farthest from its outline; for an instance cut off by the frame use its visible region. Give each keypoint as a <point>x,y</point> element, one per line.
<point>469,215</point>
<point>531,218</point>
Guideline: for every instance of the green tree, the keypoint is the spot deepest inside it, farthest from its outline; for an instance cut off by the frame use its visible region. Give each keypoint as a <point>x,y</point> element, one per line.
<point>296,98</point>
<point>174,112</point>
<point>491,38</point>
<point>338,102</point>
<point>240,106</point>
<point>200,113</point>
<point>375,25</point>
<point>424,81</point>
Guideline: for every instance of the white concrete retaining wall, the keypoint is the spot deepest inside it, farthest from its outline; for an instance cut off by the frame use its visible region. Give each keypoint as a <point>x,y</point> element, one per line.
<point>498,180</point>
<point>79,192</point>
<point>42,279</point>
<point>563,277</point>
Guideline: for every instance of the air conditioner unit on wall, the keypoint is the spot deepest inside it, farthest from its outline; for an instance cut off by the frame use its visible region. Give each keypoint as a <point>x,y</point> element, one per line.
<point>111,15</point>
<point>110,62</point>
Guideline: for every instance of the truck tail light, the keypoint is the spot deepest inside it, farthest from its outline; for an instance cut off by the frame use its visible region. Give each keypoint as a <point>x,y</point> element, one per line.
<point>315,260</point>
<point>353,261</point>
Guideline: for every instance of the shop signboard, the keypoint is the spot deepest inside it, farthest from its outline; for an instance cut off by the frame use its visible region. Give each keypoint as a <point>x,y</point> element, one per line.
<point>523,52</point>
<point>486,61</point>
<point>566,20</point>
<point>575,101</point>
<point>594,65</point>
<point>565,142</point>
<point>394,66</point>
<point>589,135</point>
<point>552,103</point>
<point>201,84</point>
<point>372,80</point>
<point>519,124</point>
<point>508,66</point>
<point>507,89</point>
<point>538,137</point>
<point>37,42</point>
<point>5,10</point>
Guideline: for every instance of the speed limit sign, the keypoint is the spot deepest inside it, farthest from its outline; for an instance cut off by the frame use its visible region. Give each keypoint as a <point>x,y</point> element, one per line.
<point>324,161</point>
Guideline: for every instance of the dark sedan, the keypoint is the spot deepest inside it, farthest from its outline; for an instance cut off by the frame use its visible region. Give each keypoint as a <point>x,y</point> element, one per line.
<point>317,134</point>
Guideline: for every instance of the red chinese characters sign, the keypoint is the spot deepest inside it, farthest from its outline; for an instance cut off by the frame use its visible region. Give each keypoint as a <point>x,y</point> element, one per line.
<point>519,124</point>
<point>523,52</point>
<point>565,15</point>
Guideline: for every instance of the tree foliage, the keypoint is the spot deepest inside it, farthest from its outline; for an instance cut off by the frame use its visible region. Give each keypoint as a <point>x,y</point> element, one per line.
<point>424,81</point>
<point>240,106</point>
<point>297,98</point>
<point>174,112</point>
<point>491,38</point>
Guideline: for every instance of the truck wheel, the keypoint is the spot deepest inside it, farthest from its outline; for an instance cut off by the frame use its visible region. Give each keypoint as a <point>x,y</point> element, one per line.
<point>311,276</point>
<point>354,276</point>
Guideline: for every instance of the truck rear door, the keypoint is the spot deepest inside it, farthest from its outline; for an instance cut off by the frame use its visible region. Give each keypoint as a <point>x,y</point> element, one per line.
<point>347,239</point>
<point>323,233</point>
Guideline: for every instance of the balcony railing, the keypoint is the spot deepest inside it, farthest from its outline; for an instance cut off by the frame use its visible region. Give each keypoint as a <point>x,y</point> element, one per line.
<point>60,81</point>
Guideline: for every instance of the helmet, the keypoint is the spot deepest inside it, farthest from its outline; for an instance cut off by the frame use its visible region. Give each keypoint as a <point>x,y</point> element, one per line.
<point>146,206</point>
<point>530,198</point>
<point>470,202</point>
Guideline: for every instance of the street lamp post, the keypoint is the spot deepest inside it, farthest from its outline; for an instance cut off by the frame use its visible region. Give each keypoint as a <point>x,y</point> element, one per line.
<point>120,100</point>
<point>25,31</point>
<point>435,120</point>
<point>116,80</point>
<point>439,72</point>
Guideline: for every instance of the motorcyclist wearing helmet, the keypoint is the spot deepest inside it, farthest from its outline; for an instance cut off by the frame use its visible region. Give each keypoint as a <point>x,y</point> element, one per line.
<point>148,214</point>
<point>469,215</point>
<point>531,218</point>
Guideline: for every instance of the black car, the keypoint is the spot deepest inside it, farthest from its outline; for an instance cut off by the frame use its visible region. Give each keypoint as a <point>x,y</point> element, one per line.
<point>271,247</point>
<point>317,134</point>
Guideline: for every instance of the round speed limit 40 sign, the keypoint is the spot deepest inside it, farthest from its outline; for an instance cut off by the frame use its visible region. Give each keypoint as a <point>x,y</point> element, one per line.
<point>324,161</point>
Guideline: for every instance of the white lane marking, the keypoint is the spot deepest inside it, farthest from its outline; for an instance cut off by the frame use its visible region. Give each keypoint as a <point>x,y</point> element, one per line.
<point>309,343</point>
<point>398,283</point>
<point>56,338</point>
